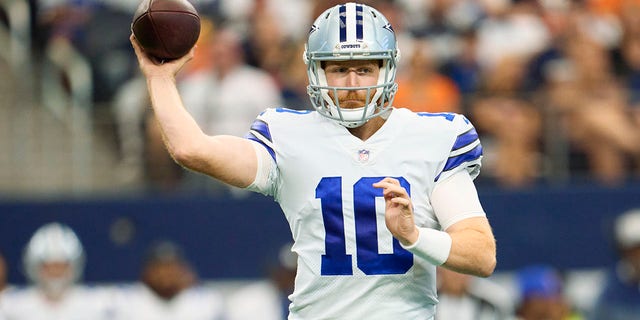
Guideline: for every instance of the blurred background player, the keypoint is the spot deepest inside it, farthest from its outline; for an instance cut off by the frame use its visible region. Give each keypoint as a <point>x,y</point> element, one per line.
<point>620,298</point>
<point>3,274</point>
<point>269,299</point>
<point>168,289</point>
<point>464,297</point>
<point>54,262</point>
<point>542,296</point>
<point>3,283</point>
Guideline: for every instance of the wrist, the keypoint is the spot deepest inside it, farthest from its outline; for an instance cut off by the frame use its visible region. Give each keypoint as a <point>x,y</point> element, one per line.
<point>431,245</point>
<point>161,77</point>
<point>412,238</point>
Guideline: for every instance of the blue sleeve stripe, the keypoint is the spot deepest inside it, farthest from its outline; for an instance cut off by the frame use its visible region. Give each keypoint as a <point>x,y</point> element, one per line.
<point>465,139</point>
<point>455,161</point>
<point>470,155</point>
<point>251,136</point>
<point>262,128</point>
<point>359,22</point>
<point>343,23</point>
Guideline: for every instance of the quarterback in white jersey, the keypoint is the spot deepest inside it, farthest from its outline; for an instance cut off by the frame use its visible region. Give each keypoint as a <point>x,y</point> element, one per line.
<point>349,262</point>
<point>376,196</point>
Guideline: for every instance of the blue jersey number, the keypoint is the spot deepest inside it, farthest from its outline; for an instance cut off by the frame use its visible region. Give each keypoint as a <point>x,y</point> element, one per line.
<point>336,261</point>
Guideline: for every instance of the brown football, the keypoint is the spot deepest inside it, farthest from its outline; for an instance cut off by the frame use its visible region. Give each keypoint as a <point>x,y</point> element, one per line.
<point>166,29</point>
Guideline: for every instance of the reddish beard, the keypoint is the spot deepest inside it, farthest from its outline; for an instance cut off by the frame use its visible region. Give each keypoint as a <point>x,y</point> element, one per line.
<point>353,99</point>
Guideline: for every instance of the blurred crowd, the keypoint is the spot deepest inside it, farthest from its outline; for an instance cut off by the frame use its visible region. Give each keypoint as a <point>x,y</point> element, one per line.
<point>552,86</point>
<point>168,286</point>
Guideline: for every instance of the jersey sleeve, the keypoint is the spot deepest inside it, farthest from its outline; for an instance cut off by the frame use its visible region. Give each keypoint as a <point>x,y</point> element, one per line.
<point>465,152</point>
<point>267,170</point>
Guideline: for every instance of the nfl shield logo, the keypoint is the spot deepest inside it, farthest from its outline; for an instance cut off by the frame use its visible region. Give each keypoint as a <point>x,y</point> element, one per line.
<point>363,155</point>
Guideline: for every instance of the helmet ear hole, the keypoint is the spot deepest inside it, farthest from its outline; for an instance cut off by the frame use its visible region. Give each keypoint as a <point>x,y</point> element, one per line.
<point>351,31</point>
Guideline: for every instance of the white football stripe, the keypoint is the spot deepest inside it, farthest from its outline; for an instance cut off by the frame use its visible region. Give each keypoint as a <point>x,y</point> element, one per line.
<point>262,138</point>
<point>351,22</point>
<point>465,149</point>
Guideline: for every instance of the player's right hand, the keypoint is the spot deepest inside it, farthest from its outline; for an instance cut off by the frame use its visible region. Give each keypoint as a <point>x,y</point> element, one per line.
<point>151,67</point>
<point>398,211</point>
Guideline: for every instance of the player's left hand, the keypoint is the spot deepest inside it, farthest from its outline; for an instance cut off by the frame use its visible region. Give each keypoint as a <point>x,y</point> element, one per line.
<point>398,211</point>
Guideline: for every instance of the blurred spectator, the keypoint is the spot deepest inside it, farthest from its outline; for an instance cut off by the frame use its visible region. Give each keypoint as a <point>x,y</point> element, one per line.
<point>504,114</point>
<point>630,51</point>
<point>293,78</point>
<point>270,46</point>
<point>629,14</point>
<point>168,289</point>
<point>442,27</point>
<point>511,28</point>
<point>421,87</point>
<point>557,18</point>
<point>621,293</point>
<point>591,105</point>
<point>465,70</point>
<point>396,13</point>
<point>269,299</point>
<point>293,16</point>
<point>510,125</point>
<point>64,20</point>
<point>464,297</point>
<point>265,40</point>
<point>97,30</point>
<point>226,107</point>
<point>54,262</point>
<point>3,274</point>
<point>3,284</point>
<point>599,20</point>
<point>541,295</point>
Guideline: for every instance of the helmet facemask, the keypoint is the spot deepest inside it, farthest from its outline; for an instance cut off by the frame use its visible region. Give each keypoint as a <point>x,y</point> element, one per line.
<point>375,40</point>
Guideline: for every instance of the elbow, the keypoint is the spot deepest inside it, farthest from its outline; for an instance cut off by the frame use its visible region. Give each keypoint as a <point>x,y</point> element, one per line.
<point>488,267</point>
<point>185,156</point>
<point>488,262</point>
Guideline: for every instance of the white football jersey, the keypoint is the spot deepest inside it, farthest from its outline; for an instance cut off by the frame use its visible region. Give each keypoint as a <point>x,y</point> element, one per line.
<point>79,303</point>
<point>349,265</point>
<point>258,300</point>
<point>137,302</point>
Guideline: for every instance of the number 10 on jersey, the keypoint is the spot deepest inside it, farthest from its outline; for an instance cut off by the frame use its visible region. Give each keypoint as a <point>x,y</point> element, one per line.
<point>336,261</point>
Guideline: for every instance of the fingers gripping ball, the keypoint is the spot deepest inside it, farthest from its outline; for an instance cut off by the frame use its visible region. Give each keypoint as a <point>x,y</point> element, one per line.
<point>166,29</point>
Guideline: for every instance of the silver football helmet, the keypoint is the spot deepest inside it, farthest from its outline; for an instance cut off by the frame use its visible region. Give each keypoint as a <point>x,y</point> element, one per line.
<point>351,31</point>
<point>54,242</point>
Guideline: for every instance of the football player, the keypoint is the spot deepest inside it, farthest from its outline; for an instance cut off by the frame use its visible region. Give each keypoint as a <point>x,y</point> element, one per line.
<point>54,263</point>
<point>376,196</point>
<point>168,289</point>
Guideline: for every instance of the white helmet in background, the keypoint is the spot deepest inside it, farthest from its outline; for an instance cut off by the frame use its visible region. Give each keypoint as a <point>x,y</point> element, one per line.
<point>54,243</point>
<point>351,31</point>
